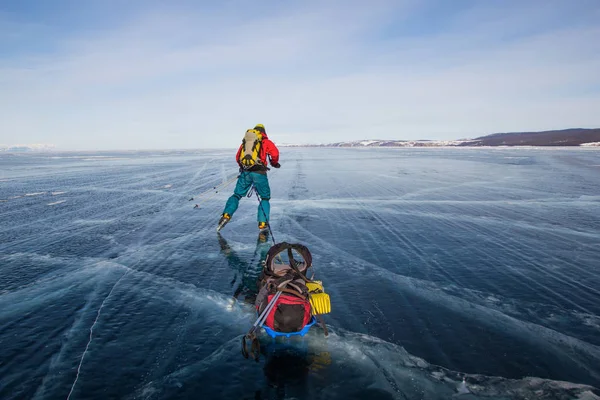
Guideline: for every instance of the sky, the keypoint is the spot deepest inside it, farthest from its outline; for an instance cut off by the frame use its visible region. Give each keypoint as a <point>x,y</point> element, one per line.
<point>149,74</point>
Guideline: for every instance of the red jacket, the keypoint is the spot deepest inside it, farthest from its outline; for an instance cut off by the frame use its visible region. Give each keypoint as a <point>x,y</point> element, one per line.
<point>267,147</point>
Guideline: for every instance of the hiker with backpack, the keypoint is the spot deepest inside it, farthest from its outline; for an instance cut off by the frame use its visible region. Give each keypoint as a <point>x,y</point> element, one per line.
<point>252,159</point>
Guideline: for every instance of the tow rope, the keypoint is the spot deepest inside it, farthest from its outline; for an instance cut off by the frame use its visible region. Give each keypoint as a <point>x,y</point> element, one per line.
<point>253,189</point>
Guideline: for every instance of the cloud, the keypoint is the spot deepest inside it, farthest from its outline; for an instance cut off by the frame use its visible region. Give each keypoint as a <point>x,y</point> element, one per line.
<point>192,77</point>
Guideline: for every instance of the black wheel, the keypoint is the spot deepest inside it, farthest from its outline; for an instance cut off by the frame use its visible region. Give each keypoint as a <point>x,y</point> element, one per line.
<point>244,349</point>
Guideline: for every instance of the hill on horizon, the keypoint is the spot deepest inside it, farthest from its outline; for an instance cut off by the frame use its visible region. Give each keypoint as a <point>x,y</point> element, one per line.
<point>563,137</point>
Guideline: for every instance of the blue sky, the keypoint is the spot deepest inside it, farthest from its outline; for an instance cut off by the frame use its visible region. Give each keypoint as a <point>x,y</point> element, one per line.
<point>149,74</point>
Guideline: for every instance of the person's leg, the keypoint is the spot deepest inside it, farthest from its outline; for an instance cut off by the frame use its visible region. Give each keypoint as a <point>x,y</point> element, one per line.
<point>242,186</point>
<point>261,182</point>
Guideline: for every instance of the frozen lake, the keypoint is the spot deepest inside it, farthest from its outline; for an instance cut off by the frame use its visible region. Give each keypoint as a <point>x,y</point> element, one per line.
<point>441,263</point>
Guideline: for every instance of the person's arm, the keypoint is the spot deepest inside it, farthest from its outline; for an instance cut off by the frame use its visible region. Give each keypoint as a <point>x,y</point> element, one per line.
<point>237,156</point>
<point>273,152</point>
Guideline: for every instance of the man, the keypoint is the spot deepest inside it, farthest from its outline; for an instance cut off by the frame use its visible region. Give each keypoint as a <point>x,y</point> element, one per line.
<point>252,159</point>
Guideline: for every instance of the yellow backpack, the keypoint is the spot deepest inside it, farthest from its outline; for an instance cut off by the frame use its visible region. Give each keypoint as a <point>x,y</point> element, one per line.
<point>250,153</point>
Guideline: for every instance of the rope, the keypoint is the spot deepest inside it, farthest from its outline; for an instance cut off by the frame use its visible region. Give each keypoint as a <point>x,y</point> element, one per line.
<point>253,189</point>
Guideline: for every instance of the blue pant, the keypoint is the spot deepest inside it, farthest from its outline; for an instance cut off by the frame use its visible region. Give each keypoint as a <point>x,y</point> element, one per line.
<point>244,183</point>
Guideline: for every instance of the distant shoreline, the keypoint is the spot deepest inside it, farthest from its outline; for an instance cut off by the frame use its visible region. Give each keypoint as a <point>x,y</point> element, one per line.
<point>576,137</point>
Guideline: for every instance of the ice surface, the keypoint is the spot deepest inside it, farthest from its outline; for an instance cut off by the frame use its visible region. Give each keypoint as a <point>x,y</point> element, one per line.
<point>453,273</point>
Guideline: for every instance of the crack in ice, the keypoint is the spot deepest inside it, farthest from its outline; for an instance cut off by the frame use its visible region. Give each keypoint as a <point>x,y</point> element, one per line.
<point>91,334</point>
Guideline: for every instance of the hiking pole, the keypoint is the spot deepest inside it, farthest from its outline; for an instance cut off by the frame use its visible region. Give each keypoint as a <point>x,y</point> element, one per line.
<point>263,316</point>
<point>221,186</point>
<point>251,335</point>
<point>215,187</point>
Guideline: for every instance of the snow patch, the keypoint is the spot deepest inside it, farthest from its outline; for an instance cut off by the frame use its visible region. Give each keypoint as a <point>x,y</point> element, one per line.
<point>25,147</point>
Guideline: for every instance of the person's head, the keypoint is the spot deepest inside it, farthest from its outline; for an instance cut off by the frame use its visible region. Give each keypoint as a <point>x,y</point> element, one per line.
<point>260,128</point>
